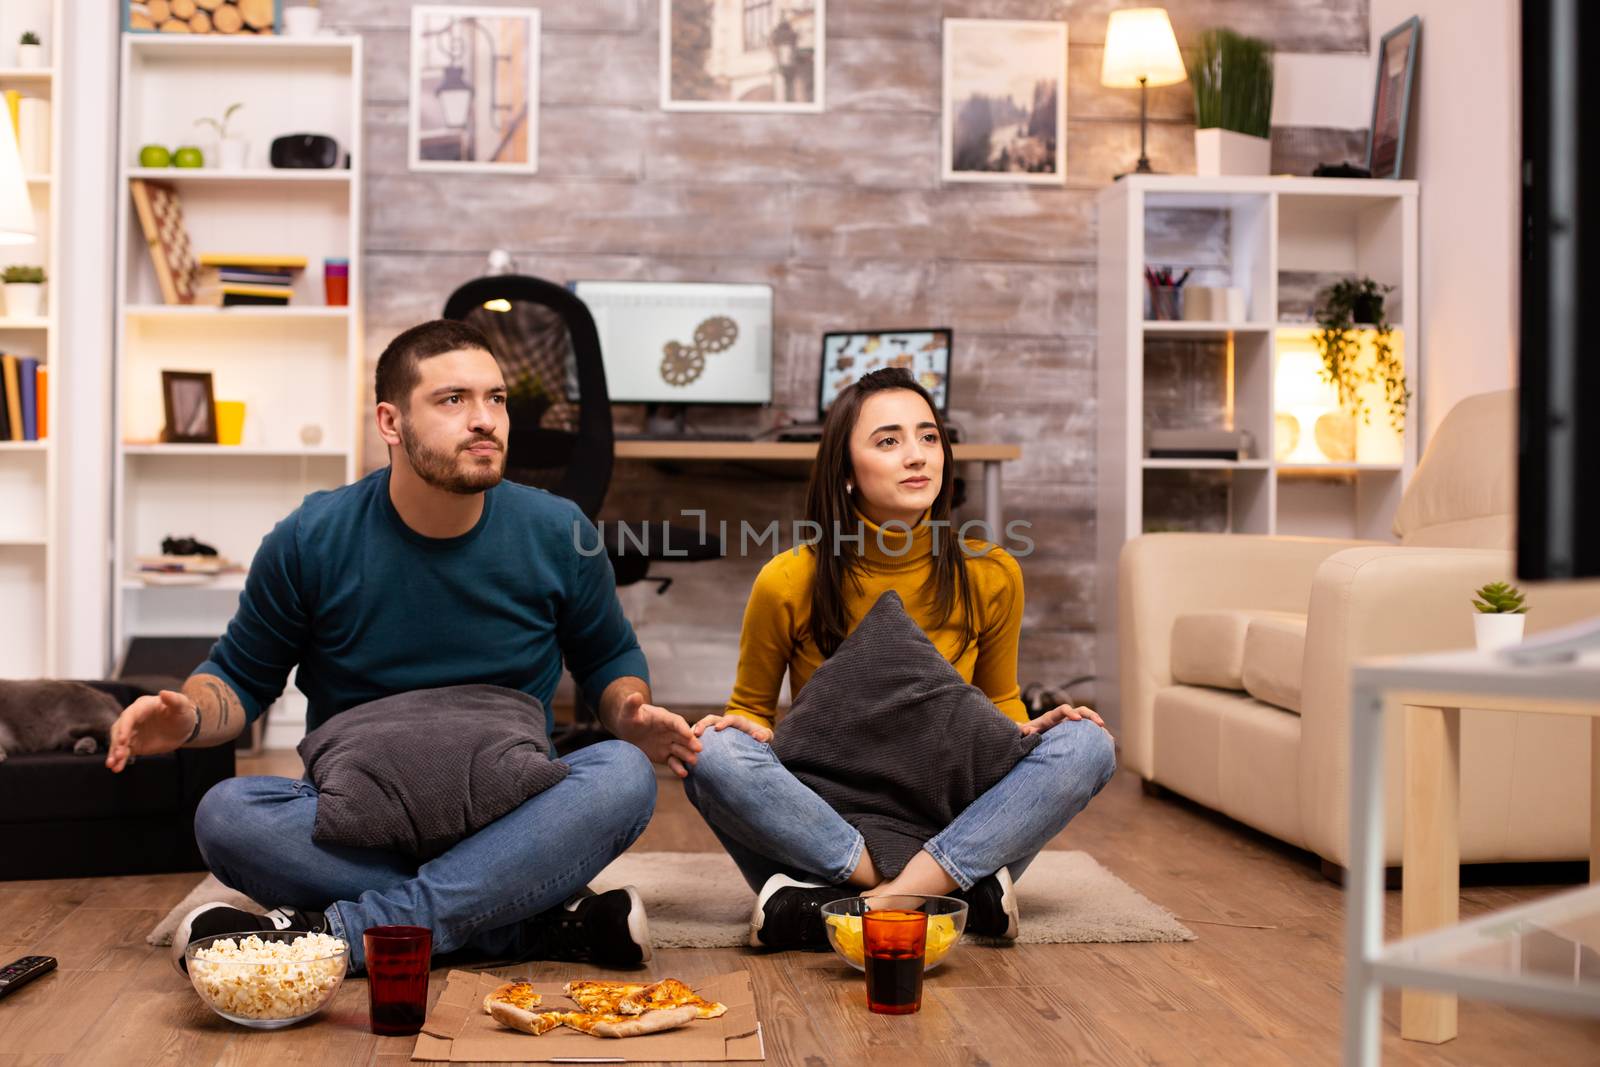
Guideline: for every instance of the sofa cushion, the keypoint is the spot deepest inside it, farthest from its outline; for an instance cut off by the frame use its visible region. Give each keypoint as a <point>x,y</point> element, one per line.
<point>1208,646</point>
<point>1463,494</point>
<point>1274,655</point>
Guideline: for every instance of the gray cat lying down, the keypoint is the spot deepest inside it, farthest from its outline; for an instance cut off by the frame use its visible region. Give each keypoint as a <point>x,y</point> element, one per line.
<point>46,716</point>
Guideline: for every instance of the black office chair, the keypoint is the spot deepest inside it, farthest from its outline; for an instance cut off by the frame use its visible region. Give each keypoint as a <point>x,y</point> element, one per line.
<point>561,436</point>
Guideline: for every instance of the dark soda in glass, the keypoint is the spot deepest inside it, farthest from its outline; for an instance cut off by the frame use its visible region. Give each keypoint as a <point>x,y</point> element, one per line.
<point>896,942</point>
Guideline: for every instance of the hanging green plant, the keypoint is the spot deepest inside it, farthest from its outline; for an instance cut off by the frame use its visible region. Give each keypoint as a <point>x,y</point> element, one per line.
<point>1343,308</point>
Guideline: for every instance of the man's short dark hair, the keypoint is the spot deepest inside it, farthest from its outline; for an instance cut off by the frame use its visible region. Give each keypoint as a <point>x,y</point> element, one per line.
<point>397,367</point>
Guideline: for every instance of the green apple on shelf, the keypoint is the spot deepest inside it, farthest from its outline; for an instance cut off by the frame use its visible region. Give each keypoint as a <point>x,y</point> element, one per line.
<point>154,155</point>
<point>188,156</point>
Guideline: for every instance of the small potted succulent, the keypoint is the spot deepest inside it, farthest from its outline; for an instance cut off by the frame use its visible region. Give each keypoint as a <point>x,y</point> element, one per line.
<point>1501,614</point>
<point>231,151</point>
<point>30,53</point>
<point>24,291</point>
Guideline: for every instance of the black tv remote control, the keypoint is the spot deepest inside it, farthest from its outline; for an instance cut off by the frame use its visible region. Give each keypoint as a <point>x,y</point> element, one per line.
<point>19,973</point>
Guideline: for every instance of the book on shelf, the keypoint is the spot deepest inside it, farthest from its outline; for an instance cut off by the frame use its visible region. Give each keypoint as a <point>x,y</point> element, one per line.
<point>23,395</point>
<point>232,295</point>
<point>250,261</point>
<point>210,276</point>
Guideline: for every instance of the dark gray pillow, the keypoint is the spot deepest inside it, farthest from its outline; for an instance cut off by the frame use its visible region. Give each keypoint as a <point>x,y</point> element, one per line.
<point>417,772</point>
<point>888,733</point>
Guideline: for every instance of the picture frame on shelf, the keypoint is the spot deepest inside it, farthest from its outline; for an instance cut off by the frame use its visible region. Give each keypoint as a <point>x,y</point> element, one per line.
<point>1391,99</point>
<point>190,405</point>
<point>474,89</point>
<point>737,55</point>
<point>1005,106</point>
<point>223,18</point>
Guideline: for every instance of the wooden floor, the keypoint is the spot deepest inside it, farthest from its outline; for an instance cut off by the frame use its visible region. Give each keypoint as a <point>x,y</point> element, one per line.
<point>1239,995</point>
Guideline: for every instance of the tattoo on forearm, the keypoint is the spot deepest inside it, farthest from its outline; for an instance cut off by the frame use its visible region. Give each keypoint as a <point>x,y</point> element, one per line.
<point>224,699</point>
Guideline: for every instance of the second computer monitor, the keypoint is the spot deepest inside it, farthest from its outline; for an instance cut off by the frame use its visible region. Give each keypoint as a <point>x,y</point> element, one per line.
<point>923,353</point>
<point>675,343</point>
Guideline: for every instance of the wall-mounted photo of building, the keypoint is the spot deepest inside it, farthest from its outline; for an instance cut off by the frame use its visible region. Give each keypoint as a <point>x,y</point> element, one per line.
<point>742,55</point>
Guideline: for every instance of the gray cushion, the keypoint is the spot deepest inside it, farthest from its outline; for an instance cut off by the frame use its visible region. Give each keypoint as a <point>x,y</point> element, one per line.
<point>417,772</point>
<point>888,733</point>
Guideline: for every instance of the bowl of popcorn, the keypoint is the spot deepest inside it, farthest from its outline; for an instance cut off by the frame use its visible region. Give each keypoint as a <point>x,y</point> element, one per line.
<point>267,979</point>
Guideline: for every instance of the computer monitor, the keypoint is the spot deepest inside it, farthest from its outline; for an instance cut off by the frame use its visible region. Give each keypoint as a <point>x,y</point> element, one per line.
<point>675,343</point>
<point>925,352</point>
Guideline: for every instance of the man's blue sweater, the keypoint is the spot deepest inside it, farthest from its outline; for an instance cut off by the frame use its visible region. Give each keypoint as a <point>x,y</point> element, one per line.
<point>366,607</point>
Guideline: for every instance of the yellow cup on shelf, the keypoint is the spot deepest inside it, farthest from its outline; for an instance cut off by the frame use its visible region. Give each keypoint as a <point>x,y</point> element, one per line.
<point>230,422</point>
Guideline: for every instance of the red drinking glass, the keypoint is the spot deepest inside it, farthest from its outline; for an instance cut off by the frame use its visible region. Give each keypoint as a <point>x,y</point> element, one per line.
<point>397,977</point>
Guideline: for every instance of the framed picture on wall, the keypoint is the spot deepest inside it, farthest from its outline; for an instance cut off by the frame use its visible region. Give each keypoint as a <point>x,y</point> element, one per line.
<point>475,89</point>
<point>190,406</point>
<point>1005,108</point>
<point>1391,101</point>
<point>742,55</point>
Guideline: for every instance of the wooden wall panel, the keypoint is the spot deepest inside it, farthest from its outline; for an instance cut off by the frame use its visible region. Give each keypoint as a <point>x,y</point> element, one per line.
<point>844,214</point>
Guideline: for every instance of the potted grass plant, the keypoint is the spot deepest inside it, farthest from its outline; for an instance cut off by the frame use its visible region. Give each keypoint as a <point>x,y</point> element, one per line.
<point>1232,79</point>
<point>1501,612</point>
<point>230,150</point>
<point>24,291</point>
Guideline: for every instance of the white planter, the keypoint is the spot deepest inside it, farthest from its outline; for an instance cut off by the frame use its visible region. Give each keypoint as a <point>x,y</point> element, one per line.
<point>232,153</point>
<point>301,21</point>
<point>23,300</point>
<point>1497,631</point>
<point>30,55</point>
<point>1220,152</point>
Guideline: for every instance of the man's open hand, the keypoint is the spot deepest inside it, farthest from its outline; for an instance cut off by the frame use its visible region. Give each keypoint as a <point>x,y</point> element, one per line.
<point>662,735</point>
<point>150,726</point>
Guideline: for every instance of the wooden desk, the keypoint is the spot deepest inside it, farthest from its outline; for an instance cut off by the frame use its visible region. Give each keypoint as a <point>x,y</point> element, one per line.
<point>690,451</point>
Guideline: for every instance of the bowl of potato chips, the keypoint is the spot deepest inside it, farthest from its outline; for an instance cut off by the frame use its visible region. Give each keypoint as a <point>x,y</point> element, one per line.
<point>947,918</point>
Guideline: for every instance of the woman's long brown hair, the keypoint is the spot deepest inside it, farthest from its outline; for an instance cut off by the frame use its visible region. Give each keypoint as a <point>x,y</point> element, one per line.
<point>829,505</point>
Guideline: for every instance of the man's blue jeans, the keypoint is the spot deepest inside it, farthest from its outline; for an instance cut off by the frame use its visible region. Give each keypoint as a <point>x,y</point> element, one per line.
<point>255,834</point>
<point>771,823</point>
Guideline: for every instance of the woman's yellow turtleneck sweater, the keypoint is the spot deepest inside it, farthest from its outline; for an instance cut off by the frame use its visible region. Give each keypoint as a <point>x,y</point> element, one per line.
<point>777,631</point>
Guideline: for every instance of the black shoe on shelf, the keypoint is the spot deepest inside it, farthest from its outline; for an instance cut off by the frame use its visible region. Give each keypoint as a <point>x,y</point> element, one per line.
<point>788,913</point>
<point>609,929</point>
<point>992,906</point>
<point>214,920</point>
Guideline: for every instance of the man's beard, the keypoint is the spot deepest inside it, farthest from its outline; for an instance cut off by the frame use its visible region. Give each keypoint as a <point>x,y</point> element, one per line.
<point>442,470</point>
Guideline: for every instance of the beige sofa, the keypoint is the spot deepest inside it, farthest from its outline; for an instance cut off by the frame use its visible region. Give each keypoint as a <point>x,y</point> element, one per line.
<point>1235,655</point>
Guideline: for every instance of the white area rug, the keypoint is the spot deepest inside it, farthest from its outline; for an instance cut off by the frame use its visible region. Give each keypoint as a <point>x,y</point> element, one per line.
<point>699,900</point>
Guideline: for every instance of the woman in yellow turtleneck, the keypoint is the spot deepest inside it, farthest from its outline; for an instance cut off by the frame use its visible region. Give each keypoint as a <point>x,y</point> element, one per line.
<point>884,468</point>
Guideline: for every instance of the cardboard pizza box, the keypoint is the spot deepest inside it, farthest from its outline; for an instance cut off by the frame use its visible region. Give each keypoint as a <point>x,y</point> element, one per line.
<point>459,1031</point>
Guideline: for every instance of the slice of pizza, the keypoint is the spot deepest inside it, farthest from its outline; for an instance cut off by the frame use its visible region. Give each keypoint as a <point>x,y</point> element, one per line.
<point>599,997</point>
<point>613,1024</point>
<point>669,993</point>
<point>517,994</point>
<point>522,1018</point>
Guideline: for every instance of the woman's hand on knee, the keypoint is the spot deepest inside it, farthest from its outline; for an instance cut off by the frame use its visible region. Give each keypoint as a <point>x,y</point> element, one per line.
<point>738,722</point>
<point>1060,715</point>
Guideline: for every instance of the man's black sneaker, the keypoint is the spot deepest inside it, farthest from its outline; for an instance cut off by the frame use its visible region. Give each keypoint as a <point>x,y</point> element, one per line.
<point>992,906</point>
<point>608,928</point>
<point>789,913</point>
<point>213,920</point>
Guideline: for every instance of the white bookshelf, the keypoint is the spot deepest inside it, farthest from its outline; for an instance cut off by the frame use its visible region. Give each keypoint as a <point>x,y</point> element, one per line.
<point>30,561</point>
<point>1251,234</point>
<point>295,367</point>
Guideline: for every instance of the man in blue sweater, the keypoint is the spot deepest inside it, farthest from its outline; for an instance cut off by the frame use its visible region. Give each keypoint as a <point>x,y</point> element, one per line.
<point>431,572</point>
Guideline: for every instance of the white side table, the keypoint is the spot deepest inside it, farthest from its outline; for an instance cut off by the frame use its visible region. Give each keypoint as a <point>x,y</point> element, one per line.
<point>1543,955</point>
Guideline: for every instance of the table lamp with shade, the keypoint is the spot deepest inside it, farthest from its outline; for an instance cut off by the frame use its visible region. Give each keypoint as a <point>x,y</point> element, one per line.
<point>16,208</point>
<point>1141,52</point>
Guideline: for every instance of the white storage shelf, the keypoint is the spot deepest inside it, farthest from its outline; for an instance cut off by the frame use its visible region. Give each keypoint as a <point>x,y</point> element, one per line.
<point>1277,239</point>
<point>29,520</point>
<point>294,367</point>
